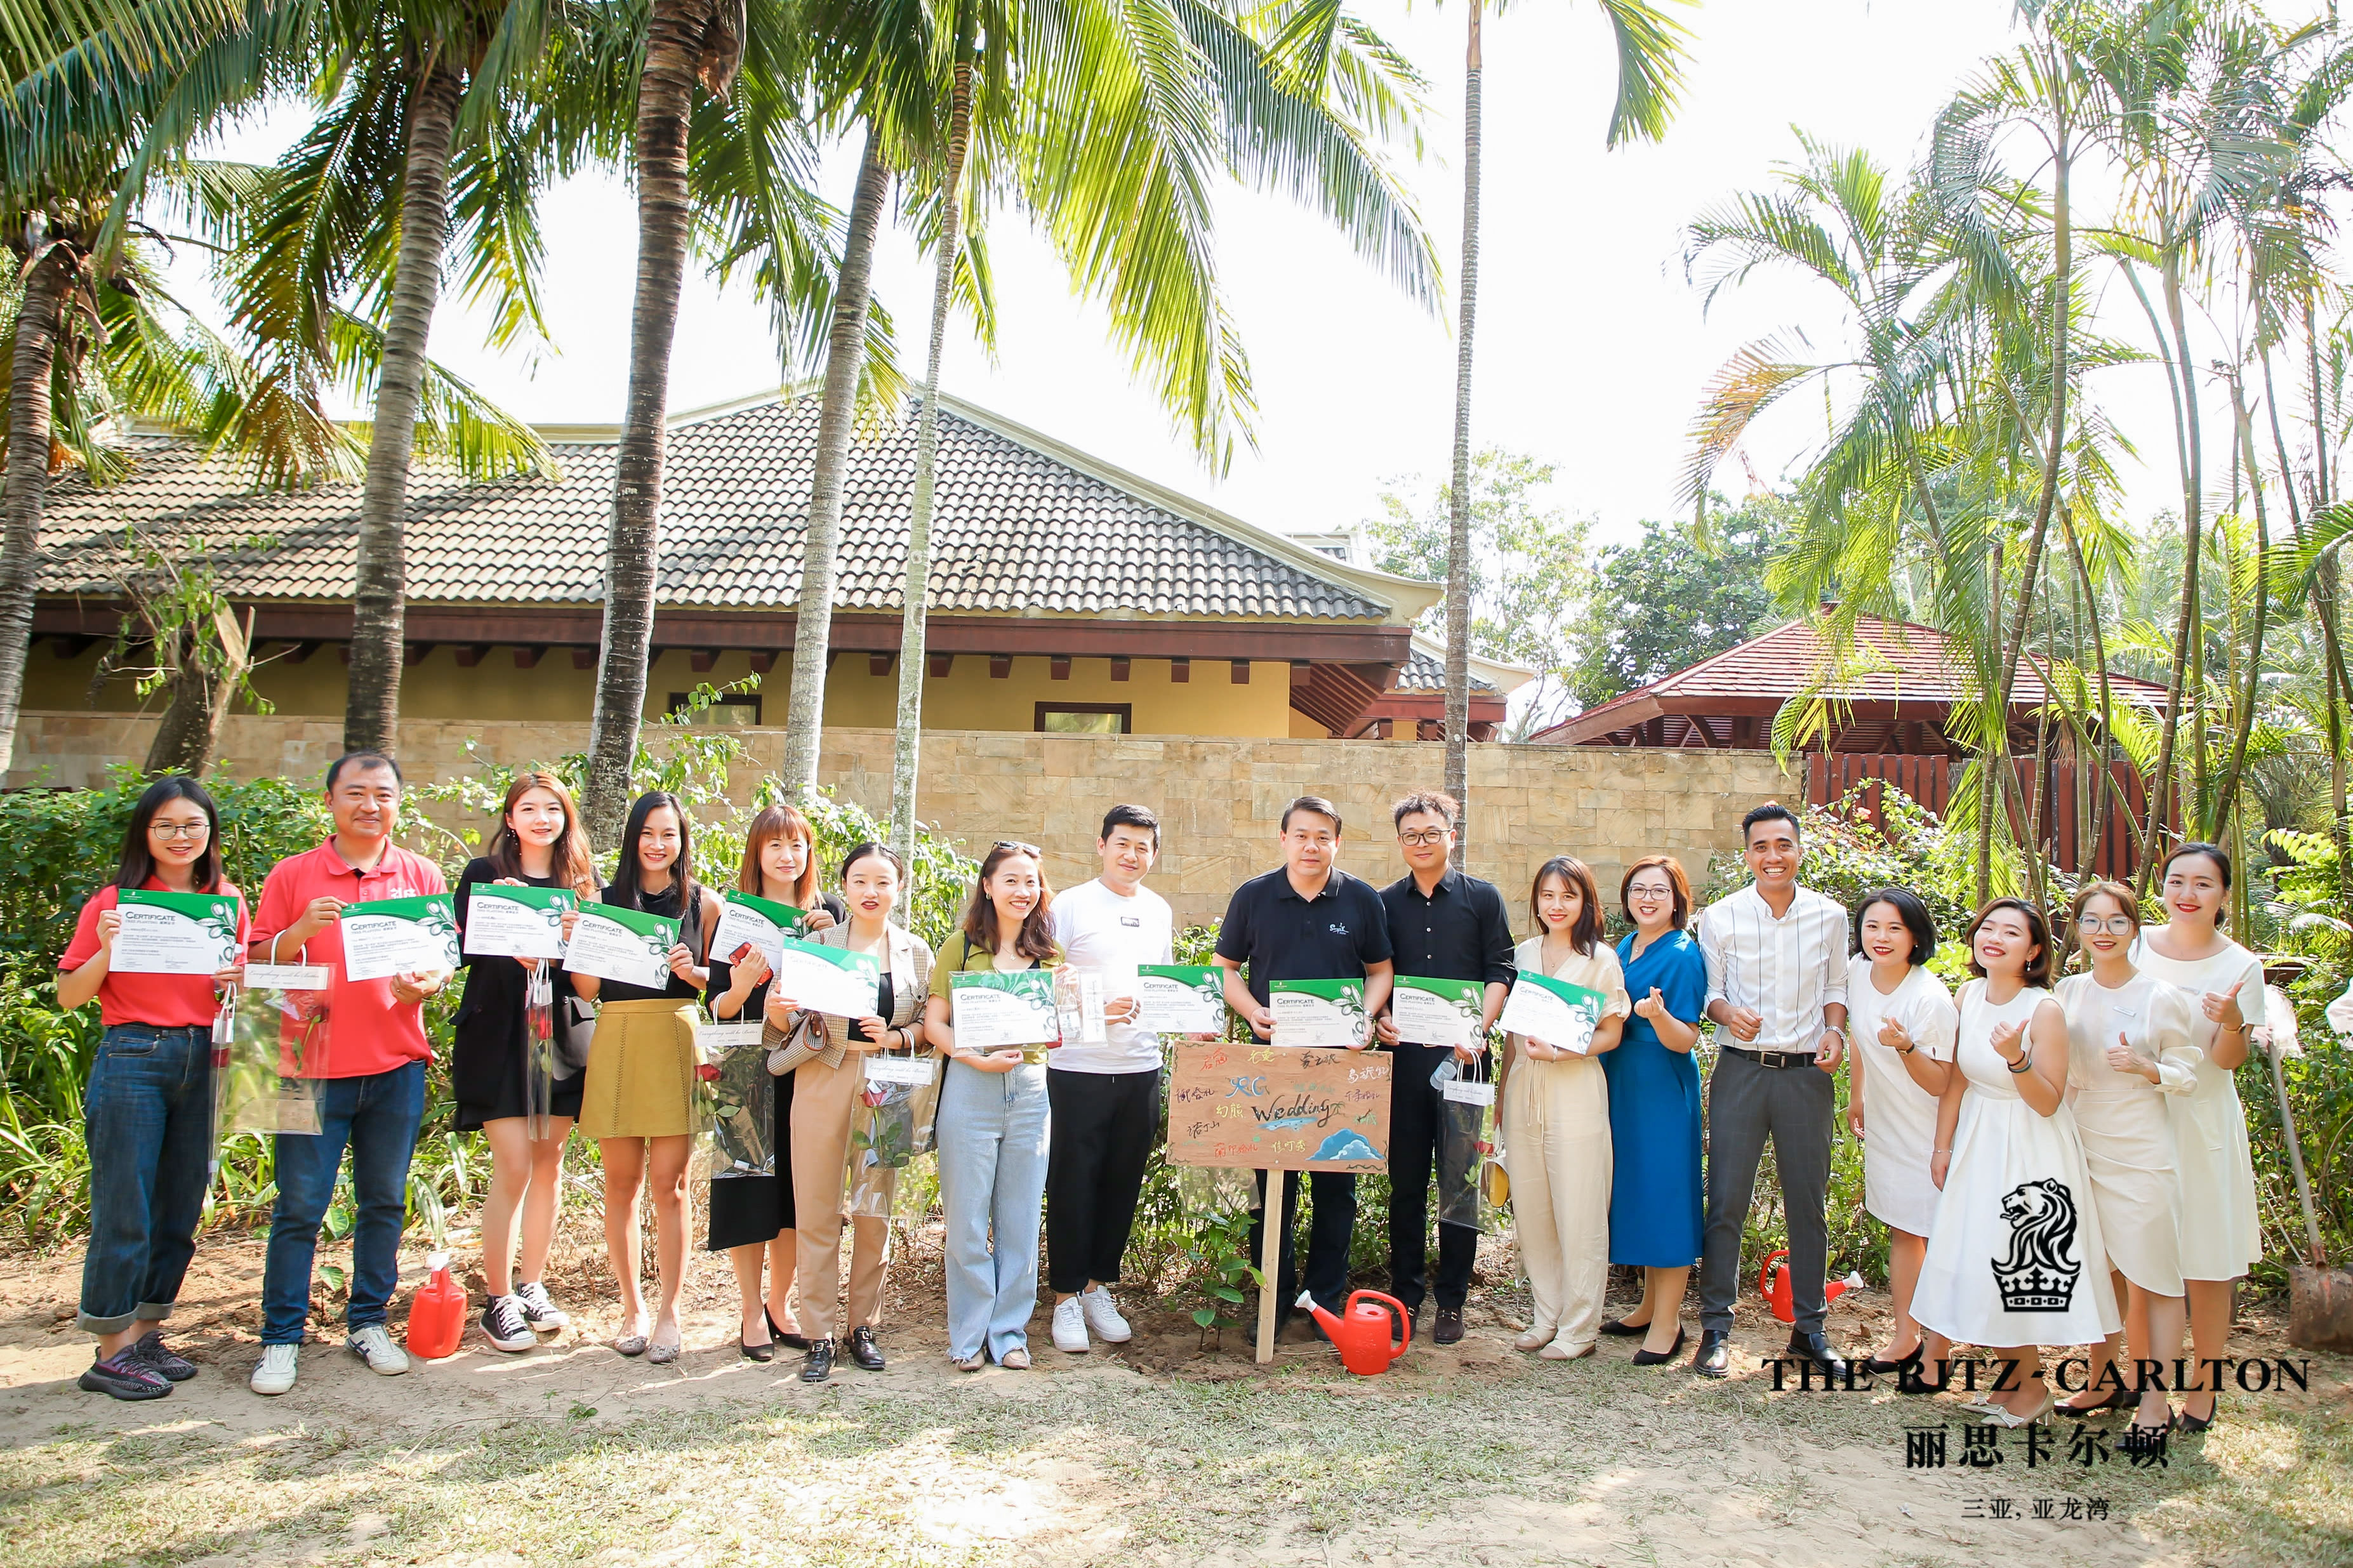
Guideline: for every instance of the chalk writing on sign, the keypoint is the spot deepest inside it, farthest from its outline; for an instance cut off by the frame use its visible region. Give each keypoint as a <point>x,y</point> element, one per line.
<point>1278,1110</point>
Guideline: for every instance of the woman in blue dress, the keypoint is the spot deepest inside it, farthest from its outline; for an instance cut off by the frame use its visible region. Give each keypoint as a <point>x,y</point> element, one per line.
<point>1655,1209</point>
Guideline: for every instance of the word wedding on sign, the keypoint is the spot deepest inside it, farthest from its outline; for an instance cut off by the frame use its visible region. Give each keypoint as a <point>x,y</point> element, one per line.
<point>628,946</point>
<point>174,933</point>
<point>833,981</point>
<point>1318,1013</point>
<point>386,937</point>
<point>1271,1108</point>
<point>516,923</point>
<point>1560,1015</point>
<point>1180,999</point>
<point>996,1009</point>
<point>1438,1012</point>
<point>749,921</point>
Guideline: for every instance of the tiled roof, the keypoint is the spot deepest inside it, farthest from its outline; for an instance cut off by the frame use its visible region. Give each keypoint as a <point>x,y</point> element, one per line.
<point>1425,672</point>
<point>1021,528</point>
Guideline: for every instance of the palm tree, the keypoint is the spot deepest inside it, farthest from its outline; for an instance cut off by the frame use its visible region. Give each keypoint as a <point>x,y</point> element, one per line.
<point>1649,48</point>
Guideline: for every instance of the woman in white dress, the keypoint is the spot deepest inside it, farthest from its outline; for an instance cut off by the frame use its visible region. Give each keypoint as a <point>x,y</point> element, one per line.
<point>1903,1022</point>
<point>2015,1259</point>
<point>2128,1054</point>
<point>2221,1238</point>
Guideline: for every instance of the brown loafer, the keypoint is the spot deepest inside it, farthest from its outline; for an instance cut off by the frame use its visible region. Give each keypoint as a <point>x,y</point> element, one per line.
<point>1449,1331</point>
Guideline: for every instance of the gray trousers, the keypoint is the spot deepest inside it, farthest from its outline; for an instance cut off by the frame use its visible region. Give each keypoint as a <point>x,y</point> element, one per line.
<point>1797,1108</point>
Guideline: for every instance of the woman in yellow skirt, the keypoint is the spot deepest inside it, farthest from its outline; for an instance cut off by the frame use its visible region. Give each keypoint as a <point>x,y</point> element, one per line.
<point>638,1099</point>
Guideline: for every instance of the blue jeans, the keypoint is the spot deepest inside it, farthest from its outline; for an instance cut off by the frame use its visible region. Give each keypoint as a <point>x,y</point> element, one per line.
<point>377,1115</point>
<point>147,1122</point>
<point>992,1136</point>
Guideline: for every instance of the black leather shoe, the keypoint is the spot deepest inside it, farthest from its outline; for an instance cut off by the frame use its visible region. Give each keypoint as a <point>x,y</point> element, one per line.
<point>1880,1367</point>
<point>817,1365</point>
<point>1449,1331</point>
<point>864,1350</point>
<point>1647,1357</point>
<point>790,1341</point>
<point>1624,1330</point>
<point>1816,1347</point>
<point>756,1352</point>
<point>1713,1357</point>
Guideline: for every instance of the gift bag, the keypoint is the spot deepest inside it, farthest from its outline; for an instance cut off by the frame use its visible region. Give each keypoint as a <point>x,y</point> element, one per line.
<point>270,1050</point>
<point>1206,1193</point>
<point>882,1142</point>
<point>540,1062</point>
<point>1466,1119</point>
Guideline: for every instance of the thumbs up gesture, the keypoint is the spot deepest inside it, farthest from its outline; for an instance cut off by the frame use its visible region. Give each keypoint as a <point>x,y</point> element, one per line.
<point>2222,1006</point>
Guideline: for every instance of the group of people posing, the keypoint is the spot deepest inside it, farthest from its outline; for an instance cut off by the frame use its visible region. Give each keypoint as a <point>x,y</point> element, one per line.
<point>2040,1158</point>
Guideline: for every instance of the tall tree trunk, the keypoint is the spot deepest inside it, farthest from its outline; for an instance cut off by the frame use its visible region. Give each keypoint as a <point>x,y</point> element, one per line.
<point>665,102</point>
<point>1458,542</point>
<point>1996,748</point>
<point>190,733</point>
<point>2235,766</point>
<point>379,606</point>
<point>905,758</point>
<point>821,547</point>
<point>38,318</point>
<point>2193,477</point>
<point>2333,681</point>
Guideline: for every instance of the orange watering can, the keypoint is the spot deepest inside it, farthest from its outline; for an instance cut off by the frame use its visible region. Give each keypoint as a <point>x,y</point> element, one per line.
<point>1772,1284</point>
<point>436,1314</point>
<point>1363,1330</point>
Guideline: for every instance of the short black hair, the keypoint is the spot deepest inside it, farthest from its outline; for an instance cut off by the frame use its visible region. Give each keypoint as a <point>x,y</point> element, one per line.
<point>1771,811</point>
<point>870,850</point>
<point>1317,804</point>
<point>2038,931</point>
<point>1427,802</point>
<point>364,760</point>
<point>1128,815</point>
<point>1909,909</point>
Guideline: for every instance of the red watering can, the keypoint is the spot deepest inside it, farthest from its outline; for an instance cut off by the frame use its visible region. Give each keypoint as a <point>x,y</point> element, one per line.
<point>1363,1331</point>
<point>436,1314</point>
<point>1772,1284</point>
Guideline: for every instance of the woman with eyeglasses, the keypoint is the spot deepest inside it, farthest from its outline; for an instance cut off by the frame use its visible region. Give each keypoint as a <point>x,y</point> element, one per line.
<point>147,1106</point>
<point>2222,1238</point>
<point>2128,1057</point>
<point>993,1120</point>
<point>1656,1210</point>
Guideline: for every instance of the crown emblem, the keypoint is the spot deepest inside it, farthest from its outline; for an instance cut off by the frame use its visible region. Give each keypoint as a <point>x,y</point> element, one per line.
<point>2040,1273</point>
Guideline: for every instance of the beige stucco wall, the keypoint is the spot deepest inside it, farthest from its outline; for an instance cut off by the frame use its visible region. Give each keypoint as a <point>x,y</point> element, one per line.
<point>1219,799</point>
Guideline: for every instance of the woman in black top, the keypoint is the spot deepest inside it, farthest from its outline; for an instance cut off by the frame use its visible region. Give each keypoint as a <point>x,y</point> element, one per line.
<point>753,1216</point>
<point>539,845</point>
<point>638,1100</point>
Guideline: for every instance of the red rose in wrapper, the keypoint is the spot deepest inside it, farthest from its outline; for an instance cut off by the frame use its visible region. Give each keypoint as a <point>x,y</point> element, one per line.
<point>708,1072</point>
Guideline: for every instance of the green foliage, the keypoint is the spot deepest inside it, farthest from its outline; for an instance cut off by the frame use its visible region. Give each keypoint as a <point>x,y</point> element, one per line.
<point>1666,601</point>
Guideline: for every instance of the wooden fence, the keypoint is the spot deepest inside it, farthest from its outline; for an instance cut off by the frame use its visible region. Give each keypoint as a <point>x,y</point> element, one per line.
<point>1832,777</point>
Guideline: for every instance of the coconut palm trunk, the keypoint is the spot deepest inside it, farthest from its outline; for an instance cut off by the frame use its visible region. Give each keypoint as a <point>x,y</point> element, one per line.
<point>2186,631</point>
<point>820,549</point>
<point>1458,542</point>
<point>665,102</point>
<point>37,319</point>
<point>379,598</point>
<point>906,751</point>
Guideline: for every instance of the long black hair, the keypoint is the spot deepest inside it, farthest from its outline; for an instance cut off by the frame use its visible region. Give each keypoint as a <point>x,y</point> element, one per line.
<point>1911,910</point>
<point>682,873</point>
<point>139,858</point>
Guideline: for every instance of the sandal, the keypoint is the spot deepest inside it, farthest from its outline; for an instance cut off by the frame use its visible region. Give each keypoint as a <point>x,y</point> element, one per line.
<point>2005,1417</point>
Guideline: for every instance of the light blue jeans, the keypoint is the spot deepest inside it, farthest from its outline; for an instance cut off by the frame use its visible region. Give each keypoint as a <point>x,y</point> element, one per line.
<point>992,1136</point>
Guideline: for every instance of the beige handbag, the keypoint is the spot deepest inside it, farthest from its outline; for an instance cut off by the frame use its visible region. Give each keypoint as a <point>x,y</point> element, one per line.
<point>805,1041</point>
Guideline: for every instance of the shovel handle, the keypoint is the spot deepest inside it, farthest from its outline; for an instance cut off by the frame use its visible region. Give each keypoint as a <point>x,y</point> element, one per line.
<point>2295,1155</point>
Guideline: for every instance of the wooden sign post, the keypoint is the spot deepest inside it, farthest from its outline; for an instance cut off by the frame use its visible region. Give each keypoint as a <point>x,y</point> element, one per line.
<point>1277,1109</point>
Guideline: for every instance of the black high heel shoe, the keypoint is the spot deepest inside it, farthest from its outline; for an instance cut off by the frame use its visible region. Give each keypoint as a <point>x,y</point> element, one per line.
<point>1624,1330</point>
<point>2185,1422</point>
<point>790,1341</point>
<point>2115,1400</point>
<point>756,1352</point>
<point>1647,1357</point>
<point>1880,1368</point>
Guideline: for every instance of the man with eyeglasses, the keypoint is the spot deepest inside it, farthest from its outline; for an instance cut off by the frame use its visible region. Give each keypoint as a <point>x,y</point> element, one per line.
<point>1444,924</point>
<point>1306,919</point>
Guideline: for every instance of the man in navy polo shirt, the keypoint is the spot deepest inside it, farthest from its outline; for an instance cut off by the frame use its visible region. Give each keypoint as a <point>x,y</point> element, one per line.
<point>1307,920</point>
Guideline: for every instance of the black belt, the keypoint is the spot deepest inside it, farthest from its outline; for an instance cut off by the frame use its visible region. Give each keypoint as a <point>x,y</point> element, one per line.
<point>1775,1058</point>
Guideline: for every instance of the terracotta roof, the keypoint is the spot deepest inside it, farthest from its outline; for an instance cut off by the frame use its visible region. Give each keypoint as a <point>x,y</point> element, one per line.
<point>1024,526</point>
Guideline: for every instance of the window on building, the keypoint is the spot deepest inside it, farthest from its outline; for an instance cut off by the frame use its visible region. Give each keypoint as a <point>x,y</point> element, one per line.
<point>1086,718</point>
<point>734,711</point>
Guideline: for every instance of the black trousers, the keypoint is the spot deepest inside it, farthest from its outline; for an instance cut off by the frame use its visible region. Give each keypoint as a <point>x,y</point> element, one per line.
<point>1329,1232</point>
<point>1414,1122</point>
<point>1104,1125</point>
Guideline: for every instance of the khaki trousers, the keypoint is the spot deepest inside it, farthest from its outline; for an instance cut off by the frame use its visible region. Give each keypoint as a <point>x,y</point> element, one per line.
<point>823,1098</point>
<point>1556,1142</point>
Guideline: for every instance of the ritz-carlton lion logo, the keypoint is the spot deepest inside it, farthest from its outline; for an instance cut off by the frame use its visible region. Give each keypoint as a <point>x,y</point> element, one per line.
<point>2040,1274</point>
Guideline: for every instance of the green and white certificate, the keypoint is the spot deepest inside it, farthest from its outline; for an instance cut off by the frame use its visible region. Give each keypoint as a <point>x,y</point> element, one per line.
<point>174,933</point>
<point>996,1009</point>
<point>1438,1012</point>
<point>824,979</point>
<point>1560,1015</point>
<point>516,923</point>
<point>1180,998</point>
<point>386,937</point>
<point>753,922</point>
<point>1318,1013</point>
<point>628,946</point>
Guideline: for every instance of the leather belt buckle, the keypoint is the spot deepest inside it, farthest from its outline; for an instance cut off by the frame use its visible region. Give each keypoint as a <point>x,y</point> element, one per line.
<point>1780,1059</point>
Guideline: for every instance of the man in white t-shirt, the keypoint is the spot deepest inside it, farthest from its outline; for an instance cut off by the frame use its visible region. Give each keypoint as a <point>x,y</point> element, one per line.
<point>1106,1097</point>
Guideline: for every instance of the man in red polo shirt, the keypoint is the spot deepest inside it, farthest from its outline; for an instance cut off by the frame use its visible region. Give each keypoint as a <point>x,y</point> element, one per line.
<point>372,1062</point>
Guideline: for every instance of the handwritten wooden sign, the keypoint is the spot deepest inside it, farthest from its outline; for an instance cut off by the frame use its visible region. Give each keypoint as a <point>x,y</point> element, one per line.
<point>1272,1108</point>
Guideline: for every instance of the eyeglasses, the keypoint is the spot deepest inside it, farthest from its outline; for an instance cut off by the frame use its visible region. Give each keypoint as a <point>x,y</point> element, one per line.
<point>2122,925</point>
<point>189,830</point>
<point>1018,848</point>
<point>1432,836</point>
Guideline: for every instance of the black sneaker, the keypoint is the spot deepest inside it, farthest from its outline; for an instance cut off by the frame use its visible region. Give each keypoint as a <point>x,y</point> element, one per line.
<point>157,1357</point>
<point>503,1325</point>
<point>123,1376</point>
<point>543,1315</point>
<point>818,1364</point>
<point>864,1350</point>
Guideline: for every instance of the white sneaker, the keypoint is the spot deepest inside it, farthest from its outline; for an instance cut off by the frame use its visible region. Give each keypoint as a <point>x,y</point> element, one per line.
<point>375,1346</point>
<point>1103,1316</point>
<point>1071,1328</point>
<point>275,1376</point>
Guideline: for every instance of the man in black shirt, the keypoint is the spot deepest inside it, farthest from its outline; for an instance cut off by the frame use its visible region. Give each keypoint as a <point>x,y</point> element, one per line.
<point>1308,921</point>
<point>1444,924</point>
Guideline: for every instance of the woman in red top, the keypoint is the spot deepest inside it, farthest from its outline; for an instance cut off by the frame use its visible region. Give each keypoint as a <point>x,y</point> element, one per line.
<point>147,1109</point>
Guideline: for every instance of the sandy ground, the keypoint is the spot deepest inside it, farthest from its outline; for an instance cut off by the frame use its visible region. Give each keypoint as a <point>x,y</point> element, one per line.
<point>1160,1450</point>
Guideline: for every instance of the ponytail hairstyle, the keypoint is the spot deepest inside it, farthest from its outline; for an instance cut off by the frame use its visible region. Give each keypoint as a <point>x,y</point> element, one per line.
<point>574,865</point>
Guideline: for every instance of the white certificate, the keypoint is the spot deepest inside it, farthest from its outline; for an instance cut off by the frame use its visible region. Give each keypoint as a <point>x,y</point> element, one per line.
<point>515,922</point>
<point>174,933</point>
<point>996,1009</point>
<point>612,944</point>
<point>746,921</point>
<point>1560,1015</point>
<point>830,980</point>
<point>386,937</point>
<point>1179,999</point>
